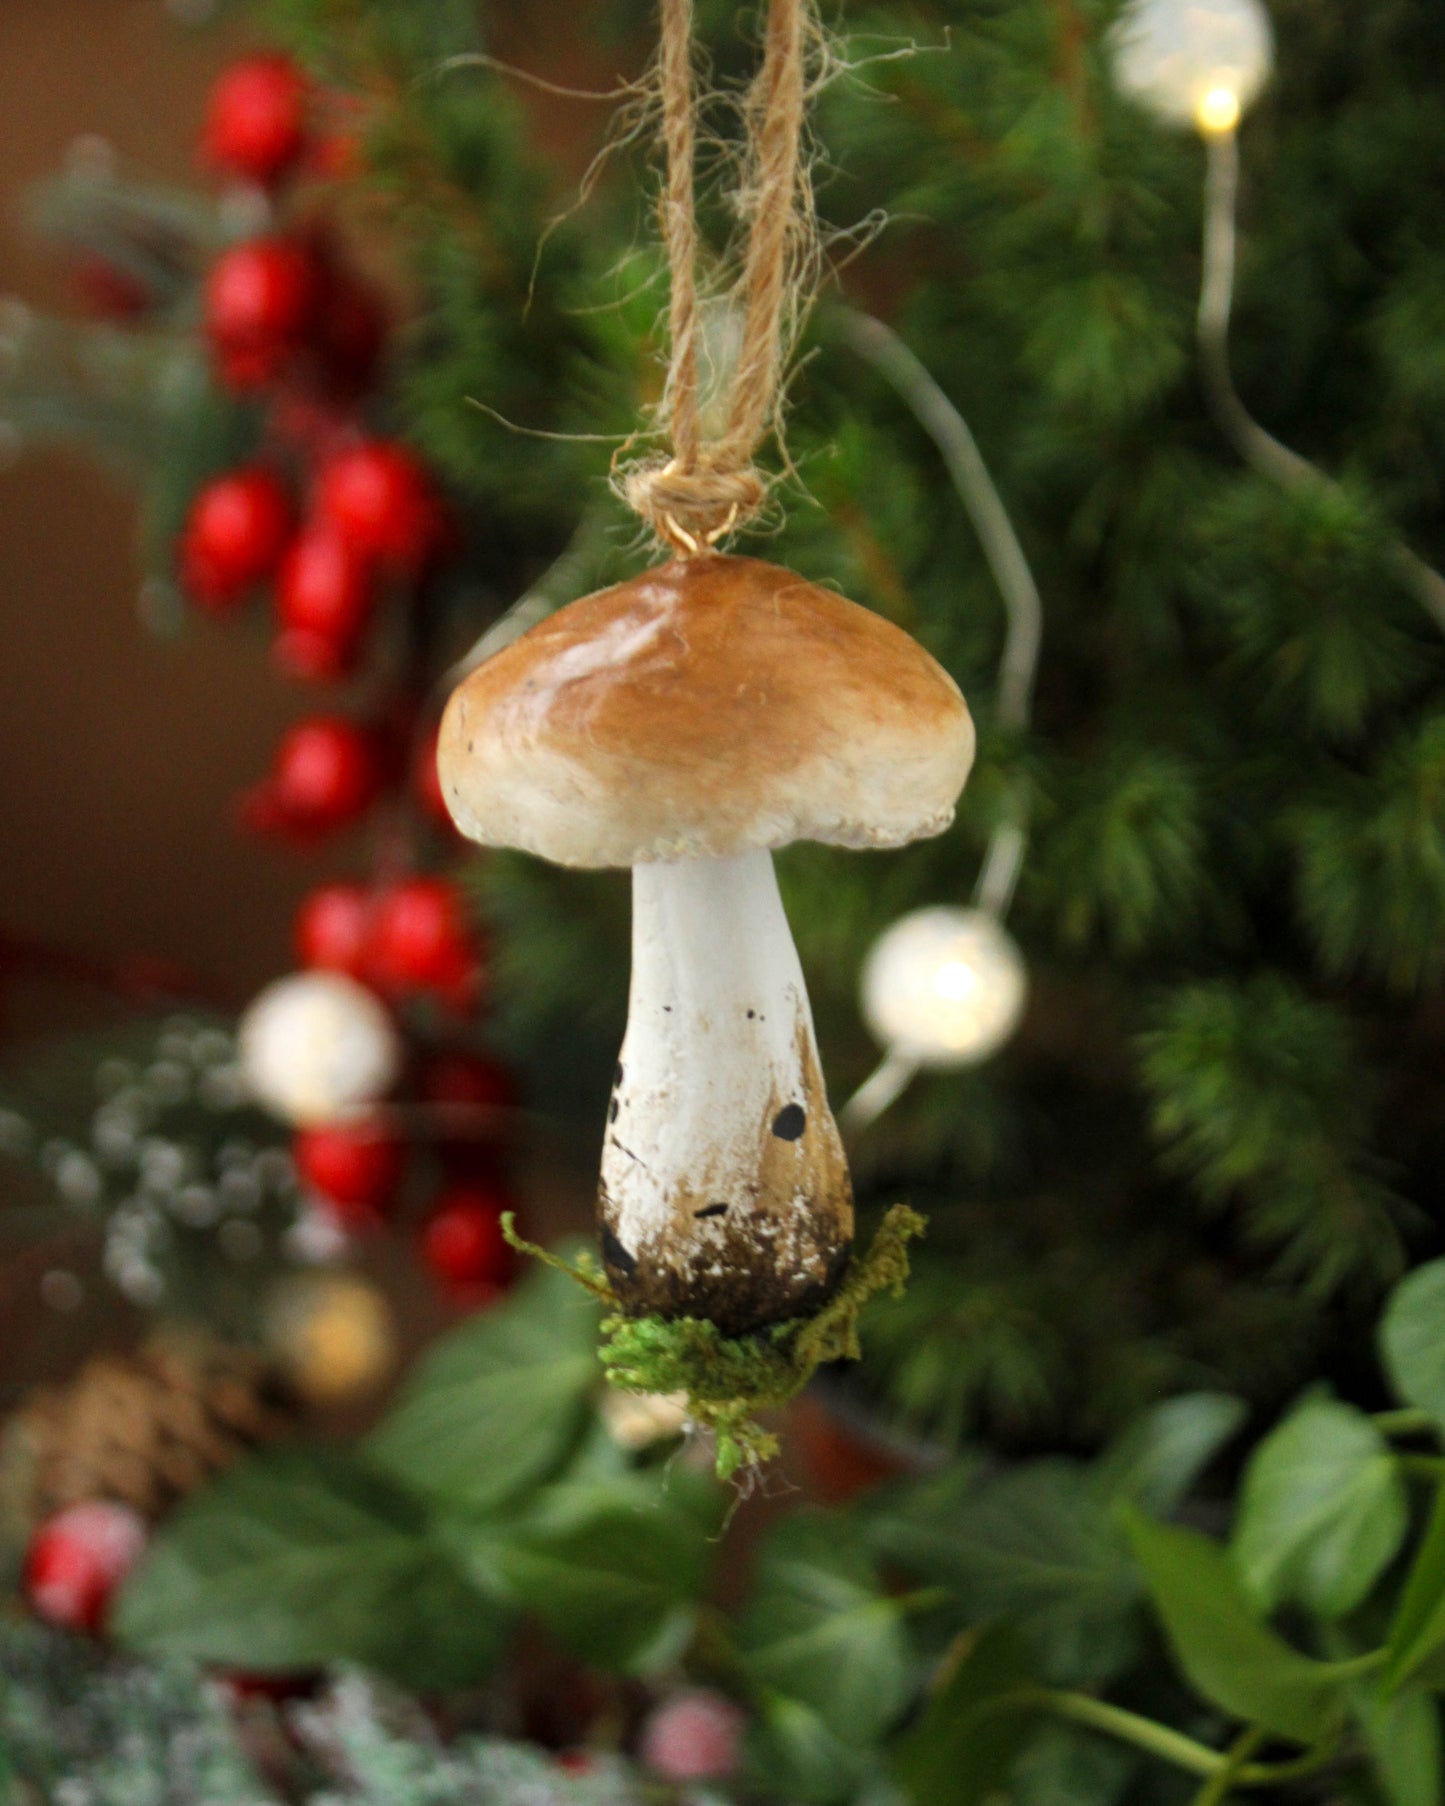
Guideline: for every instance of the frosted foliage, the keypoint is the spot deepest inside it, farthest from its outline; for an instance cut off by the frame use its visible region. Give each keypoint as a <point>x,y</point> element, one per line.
<point>1173,56</point>
<point>78,1728</point>
<point>389,1757</point>
<point>79,1733</point>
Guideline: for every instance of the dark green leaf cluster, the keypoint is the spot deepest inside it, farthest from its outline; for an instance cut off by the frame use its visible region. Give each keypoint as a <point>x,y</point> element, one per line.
<point>488,1491</point>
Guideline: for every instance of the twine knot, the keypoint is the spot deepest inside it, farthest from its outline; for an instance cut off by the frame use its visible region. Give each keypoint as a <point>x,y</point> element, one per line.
<point>708,486</point>
<point>690,509</point>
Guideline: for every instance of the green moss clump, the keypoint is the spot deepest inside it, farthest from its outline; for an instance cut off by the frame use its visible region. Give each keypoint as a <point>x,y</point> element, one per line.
<point>728,1380</point>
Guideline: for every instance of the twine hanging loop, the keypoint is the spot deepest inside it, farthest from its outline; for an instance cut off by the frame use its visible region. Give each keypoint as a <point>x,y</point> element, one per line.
<point>708,486</point>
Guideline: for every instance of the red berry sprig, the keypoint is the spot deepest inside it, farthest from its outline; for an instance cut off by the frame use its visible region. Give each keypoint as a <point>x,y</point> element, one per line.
<point>256,119</point>
<point>355,1165</point>
<point>326,774</point>
<point>694,1736</point>
<point>423,943</point>
<point>324,601</point>
<point>261,302</point>
<point>463,1244</point>
<point>77,1560</point>
<point>234,536</point>
<point>381,497</point>
<point>333,930</point>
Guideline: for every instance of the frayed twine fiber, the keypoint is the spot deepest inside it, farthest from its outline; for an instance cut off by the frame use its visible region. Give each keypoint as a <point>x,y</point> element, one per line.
<point>708,486</point>
<point>728,1380</point>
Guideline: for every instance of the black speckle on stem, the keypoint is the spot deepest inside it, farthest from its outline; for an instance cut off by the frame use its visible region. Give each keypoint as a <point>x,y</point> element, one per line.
<point>616,1255</point>
<point>790,1122</point>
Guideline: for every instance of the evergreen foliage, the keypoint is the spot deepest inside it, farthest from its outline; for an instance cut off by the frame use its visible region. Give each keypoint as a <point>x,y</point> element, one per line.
<point>1232,904</point>
<point>1210,1143</point>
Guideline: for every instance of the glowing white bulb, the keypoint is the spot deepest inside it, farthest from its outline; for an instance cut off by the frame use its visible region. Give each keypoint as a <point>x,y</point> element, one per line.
<point>944,987</point>
<point>1198,62</point>
<point>317,1045</point>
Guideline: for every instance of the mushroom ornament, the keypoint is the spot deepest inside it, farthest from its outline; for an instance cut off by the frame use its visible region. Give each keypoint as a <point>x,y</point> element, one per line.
<point>686,723</point>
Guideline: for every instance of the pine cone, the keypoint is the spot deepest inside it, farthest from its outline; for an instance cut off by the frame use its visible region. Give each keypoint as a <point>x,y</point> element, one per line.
<point>148,1428</point>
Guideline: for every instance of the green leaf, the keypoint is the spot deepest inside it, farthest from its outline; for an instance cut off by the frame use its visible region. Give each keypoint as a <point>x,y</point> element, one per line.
<point>1322,1513</point>
<point>961,1751</point>
<point>1403,1737</point>
<point>1158,1458</point>
<point>1412,1339</point>
<point>1418,1632</point>
<point>1063,1766</point>
<point>613,1573</point>
<point>303,1558</point>
<point>1035,1545</point>
<point>1233,1659</point>
<point>819,1629</point>
<point>499,1403</point>
<point>792,1755</point>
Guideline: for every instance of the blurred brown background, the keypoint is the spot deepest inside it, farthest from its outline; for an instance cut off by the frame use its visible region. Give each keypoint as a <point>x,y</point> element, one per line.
<point>119,754</point>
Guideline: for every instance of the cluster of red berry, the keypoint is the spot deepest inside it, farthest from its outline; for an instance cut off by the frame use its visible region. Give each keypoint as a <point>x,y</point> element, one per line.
<point>405,940</point>
<point>339,522</point>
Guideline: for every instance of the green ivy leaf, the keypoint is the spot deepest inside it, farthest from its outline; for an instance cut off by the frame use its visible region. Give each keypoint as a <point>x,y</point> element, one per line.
<point>961,1751</point>
<point>1322,1513</point>
<point>613,1573</point>
<point>1412,1339</point>
<point>304,1558</point>
<point>819,1629</point>
<point>792,1755</point>
<point>1158,1458</point>
<point>1035,1545</point>
<point>1233,1659</point>
<point>1063,1766</point>
<point>1418,1632</point>
<point>1403,1737</point>
<point>498,1404</point>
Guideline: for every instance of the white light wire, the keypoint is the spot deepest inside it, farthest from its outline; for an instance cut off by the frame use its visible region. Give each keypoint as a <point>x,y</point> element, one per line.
<point>1260,449</point>
<point>881,347</point>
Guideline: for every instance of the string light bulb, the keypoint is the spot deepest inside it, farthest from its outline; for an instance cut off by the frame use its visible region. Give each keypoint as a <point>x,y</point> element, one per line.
<point>944,987</point>
<point>1194,62</point>
<point>317,1045</point>
<point>333,1335</point>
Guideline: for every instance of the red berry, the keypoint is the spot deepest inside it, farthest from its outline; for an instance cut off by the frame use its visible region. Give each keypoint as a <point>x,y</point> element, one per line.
<point>356,1165</point>
<point>471,1080</point>
<point>350,334</point>
<point>463,1244</point>
<point>325,775</point>
<point>261,301</point>
<point>381,497</point>
<point>333,928</point>
<point>244,1685</point>
<point>76,1561</point>
<point>234,535</point>
<point>421,941</point>
<point>323,600</point>
<point>694,1736</point>
<point>109,292</point>
<point>256,119</point>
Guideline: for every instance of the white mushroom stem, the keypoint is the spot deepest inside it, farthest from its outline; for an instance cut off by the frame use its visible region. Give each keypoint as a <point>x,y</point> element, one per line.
<point>724,1187</point>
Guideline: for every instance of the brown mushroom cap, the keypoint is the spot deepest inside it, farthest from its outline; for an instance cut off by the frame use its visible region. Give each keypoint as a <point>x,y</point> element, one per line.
<point>709,707</point>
